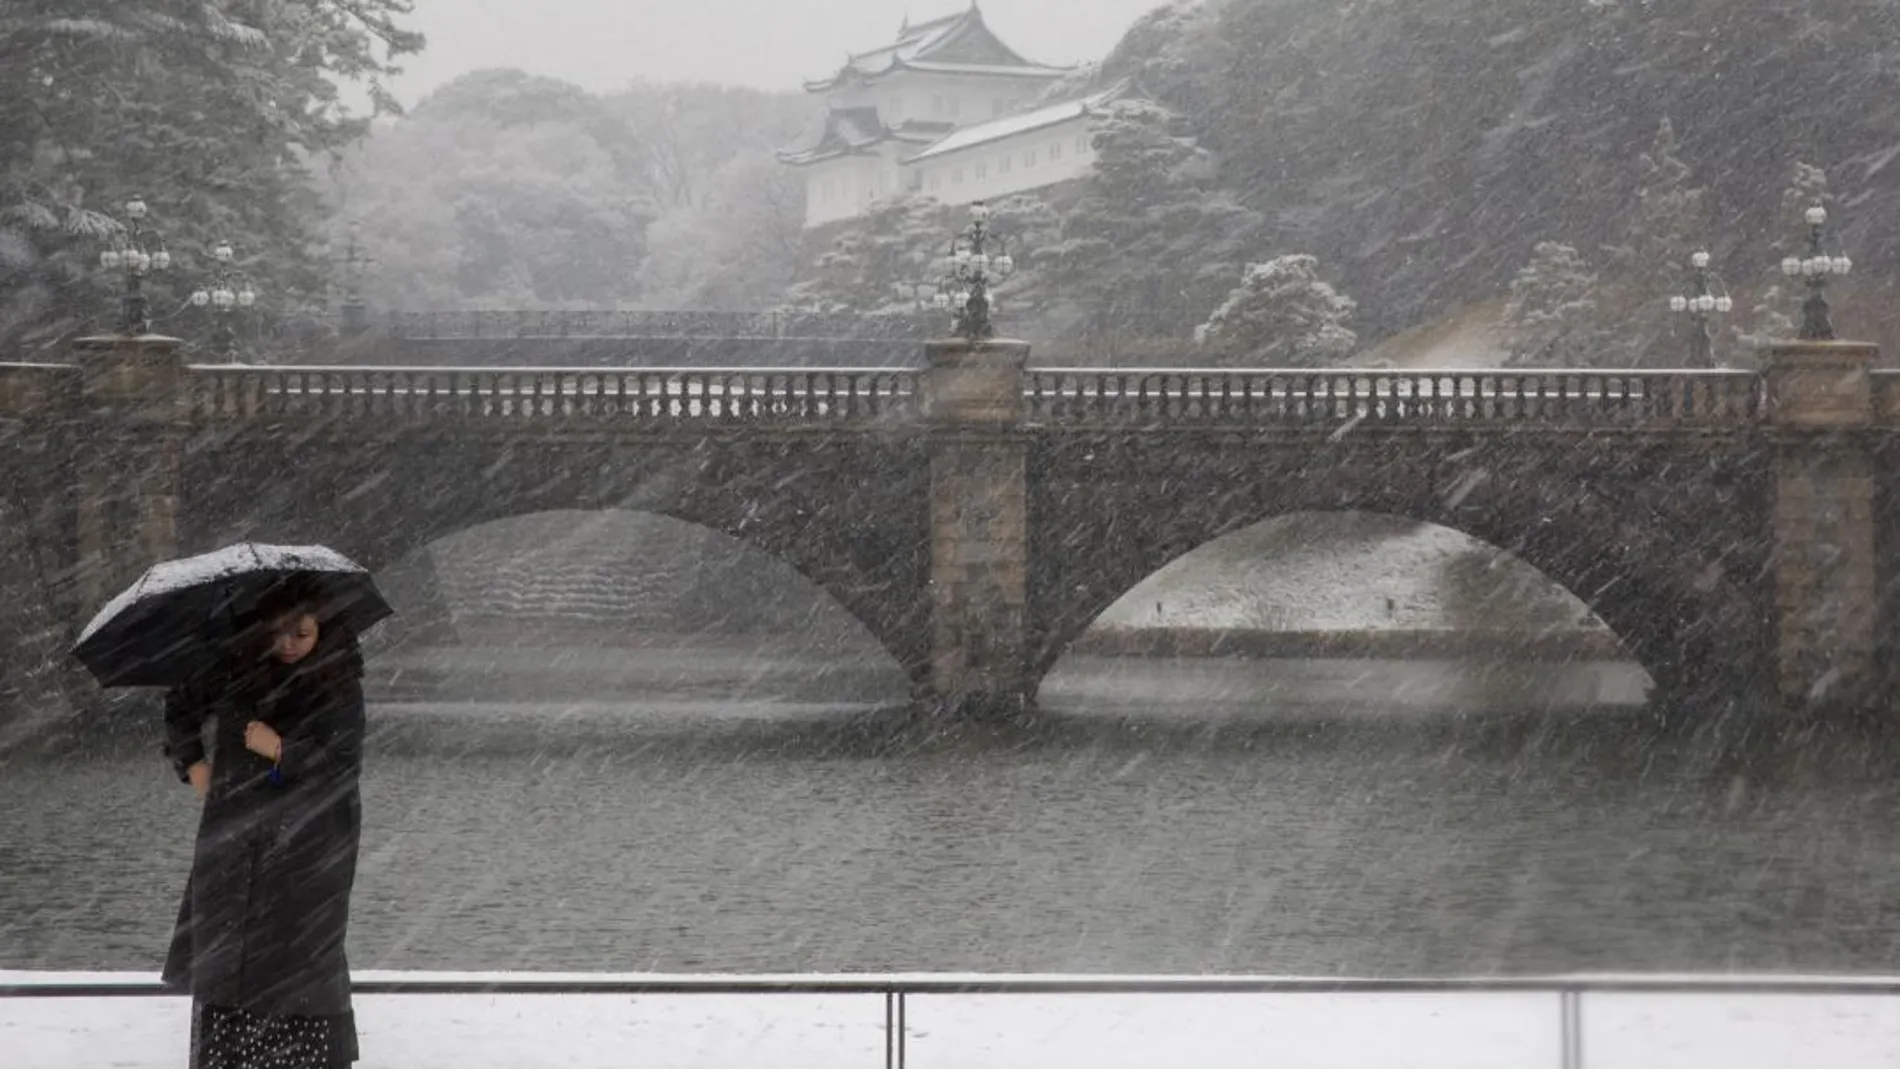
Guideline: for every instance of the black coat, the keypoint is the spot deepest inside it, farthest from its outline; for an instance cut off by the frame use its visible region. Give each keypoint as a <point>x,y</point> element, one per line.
<point>267,906</point>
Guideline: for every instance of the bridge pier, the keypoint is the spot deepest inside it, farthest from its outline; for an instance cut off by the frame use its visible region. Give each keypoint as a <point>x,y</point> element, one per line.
<point>129,462</point>
<point>979,544</point>
<point>1826,581</point>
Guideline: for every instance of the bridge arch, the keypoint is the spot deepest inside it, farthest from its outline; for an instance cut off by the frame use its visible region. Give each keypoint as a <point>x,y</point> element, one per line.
<point>801,501</point>
<point>1668,555</point>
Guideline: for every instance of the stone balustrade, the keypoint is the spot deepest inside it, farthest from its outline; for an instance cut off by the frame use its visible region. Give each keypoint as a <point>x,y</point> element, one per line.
<point>666,395</point>
<point>1299,397</point>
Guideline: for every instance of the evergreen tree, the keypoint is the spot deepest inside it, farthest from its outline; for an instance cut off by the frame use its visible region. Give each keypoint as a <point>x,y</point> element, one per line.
<point>1669,225</point>
<point>211,110</point>
<point>1772,317</point>
<point>900,239</point>
<point>1153,243</point>
<point>1282,315</point>
<point>1552,318</point>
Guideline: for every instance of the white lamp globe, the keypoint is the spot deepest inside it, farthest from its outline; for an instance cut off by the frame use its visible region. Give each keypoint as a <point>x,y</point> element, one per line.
<point>1816,215</point>
<point>200,298</point>
<point>1700,259</point>
<point>1678,304</point>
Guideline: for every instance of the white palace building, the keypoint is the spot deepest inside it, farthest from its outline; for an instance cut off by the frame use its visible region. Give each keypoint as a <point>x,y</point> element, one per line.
<point>948,110</point>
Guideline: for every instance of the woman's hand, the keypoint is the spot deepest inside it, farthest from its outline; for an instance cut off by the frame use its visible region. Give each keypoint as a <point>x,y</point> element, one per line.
<point>261,739</point>
<point>200,777</point>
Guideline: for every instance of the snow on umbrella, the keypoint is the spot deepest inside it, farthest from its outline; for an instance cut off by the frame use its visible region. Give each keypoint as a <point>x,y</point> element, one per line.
<point>176,618</point>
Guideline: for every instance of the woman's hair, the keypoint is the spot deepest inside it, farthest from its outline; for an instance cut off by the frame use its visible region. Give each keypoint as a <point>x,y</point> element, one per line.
<point>337,650</point>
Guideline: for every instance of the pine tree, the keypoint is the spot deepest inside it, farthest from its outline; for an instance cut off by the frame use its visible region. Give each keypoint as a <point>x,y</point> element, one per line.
<point>900,239</point>
<point>1552,317</point>
<point>1771,319</point>
<point>1669,225</point>
<point>1153,244</point>
<point>1282,315</point>
<point>212,111</point>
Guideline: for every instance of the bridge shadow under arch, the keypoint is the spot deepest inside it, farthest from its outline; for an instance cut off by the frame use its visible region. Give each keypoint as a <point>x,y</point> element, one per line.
<point>1665,548</point>
<point>846,513</point>
<point>612,605</point>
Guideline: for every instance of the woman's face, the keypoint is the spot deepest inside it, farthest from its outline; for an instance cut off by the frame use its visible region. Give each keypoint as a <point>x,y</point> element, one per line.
<point>293,637</point>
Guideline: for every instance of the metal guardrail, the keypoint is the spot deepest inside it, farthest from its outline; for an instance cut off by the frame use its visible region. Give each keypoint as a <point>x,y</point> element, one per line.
<point>1301,397</point>
<point>1570,993</point>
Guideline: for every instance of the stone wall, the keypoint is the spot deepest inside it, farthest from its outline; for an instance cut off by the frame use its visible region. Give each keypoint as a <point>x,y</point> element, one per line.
<point>33,661</point>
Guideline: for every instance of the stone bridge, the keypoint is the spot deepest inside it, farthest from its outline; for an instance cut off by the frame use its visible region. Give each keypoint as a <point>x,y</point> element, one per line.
<point>1736,529</point>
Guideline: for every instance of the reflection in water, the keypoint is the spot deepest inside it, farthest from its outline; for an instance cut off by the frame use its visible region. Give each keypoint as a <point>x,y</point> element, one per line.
<point>1167,830</point>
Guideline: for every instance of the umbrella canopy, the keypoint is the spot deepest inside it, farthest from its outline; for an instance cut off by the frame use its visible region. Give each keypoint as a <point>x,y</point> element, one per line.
<point>181,614</point>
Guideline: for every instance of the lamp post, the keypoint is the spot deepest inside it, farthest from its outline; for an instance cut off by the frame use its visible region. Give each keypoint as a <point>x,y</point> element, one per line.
<point>1699,303</point>
<point>1817,267</point>
<point>136,249</point>
<point>977,258</point>
<point>229,291</point>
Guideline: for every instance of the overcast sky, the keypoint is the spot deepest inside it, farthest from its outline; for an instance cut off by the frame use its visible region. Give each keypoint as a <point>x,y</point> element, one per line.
<point>768,44</point>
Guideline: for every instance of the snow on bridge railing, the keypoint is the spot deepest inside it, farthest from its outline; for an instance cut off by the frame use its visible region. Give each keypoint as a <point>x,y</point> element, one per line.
<point>592,323</point>
<point>421,394</point>
<point>1306,397</point>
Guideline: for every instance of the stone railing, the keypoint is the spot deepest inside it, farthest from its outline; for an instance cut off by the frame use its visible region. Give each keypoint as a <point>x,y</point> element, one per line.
<point>412,395</point>
<point>32,390</point>
<point>649,324</point>
<point>1303,398</point>
<point>1886,382</point>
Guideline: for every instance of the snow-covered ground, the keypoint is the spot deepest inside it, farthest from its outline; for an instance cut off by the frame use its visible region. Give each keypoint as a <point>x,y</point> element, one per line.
<point>1098,1031</point>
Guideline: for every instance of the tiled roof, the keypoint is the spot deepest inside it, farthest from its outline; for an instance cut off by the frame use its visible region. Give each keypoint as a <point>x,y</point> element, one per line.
<point>849,130</point>
<point>954,44</point>
<point>1020,123</point>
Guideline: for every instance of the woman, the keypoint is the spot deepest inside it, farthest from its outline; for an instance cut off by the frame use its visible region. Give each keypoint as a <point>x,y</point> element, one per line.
<point>260,937</point>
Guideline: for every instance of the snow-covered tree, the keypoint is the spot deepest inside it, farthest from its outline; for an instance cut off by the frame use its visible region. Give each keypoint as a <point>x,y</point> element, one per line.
<point>212,111</point>
<point>900,239</point>
<point>735,249</point>
<point>1669,224</point>
<point>1153,243</point>
<point>1771,317</point>
<point>1282,315</point>
<point>1553,317</point>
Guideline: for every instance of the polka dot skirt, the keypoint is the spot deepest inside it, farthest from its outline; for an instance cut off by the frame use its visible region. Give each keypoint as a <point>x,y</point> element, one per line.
<point>237,1039</point>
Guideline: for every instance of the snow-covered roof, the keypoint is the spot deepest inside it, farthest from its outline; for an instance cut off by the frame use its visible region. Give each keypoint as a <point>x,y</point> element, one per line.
<point>856,129</point>
<point>1022,122</point>
<point>953,44</point>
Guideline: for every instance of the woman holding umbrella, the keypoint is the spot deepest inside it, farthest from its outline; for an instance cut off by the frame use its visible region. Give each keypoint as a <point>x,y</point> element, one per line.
<point>259,942</point>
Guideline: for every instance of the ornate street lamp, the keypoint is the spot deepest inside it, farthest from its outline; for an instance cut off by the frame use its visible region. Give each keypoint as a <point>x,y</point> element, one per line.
<point>977,259</point>
<point>229,291</point>
<point>1699,303</point>
<point>136,249</point>
<point>1817,267</point>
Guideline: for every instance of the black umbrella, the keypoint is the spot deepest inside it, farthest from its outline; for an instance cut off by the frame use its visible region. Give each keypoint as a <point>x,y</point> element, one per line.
<point>182,614</point>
